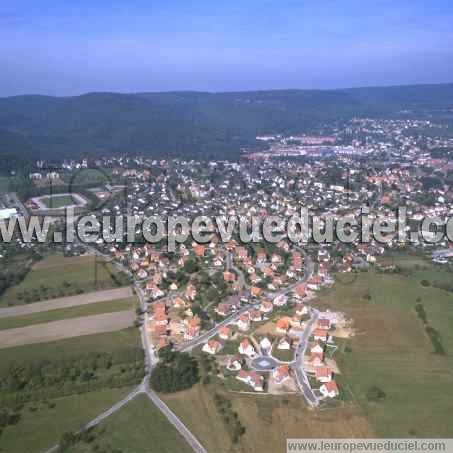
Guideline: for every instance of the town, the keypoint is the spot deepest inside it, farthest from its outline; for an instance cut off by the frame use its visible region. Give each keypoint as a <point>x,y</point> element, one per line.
<point>250,314</point>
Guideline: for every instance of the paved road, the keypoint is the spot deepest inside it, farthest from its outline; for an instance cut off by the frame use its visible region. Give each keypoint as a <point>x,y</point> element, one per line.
<point>298,367</point>
<point>188,346</point>
<point>176,422</point>
<point>230,265</point>
<point>116,407</point>
<point>150,362</point>
<point>308,272</point>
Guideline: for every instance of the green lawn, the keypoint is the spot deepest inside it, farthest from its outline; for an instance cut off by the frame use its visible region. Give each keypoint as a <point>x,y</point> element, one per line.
<point>59,276</point>
<point>138,427</point>
<point>58,201</point>
<point>67,313</point>
<point>285,356</point>
<point>391,350</point>
<point>41,426</point>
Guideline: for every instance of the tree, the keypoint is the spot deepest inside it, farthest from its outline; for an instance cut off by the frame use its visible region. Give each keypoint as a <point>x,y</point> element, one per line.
<point>375,394</point>
<point>178,372</point>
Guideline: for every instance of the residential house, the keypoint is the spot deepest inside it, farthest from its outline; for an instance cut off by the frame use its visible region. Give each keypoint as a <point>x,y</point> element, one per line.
<point>329,389</point>
<point>283,324</point>
<point>190,292</point>
<point>212,347</point>
<point>266,306</point>
<point>284,344</point>
<point>323,323</point>
<point>234,363</point>
<point>225,333</point>
<point>280,300</point>
<point>199,250</point>
<point>265,345</point>
<point>280,374</point>
<point>223,309</point>
<point>255,291</point>
<point>243,322</point>
<point>301,309</point>
<point>255,315</point>
<point>252,378</point>
<point>246,348</point>
<point>320,334</point>
<point>323,374</point>
<point>300,291</point>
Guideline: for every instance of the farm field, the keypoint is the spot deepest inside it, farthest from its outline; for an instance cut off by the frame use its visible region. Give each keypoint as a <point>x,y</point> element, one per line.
<point>268,420</point>
<point>42,425</point>
<point>139,427</point>
<point>123,343</point>
<point>66,328</point>
<point>59,276</point>
<point>67,302</point>
<point>68,313</point>
<point>104,368</point>
<point>207,426</point>
<point>391,351</point>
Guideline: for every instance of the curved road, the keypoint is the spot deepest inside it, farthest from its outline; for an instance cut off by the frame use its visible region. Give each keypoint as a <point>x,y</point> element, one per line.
<point>150,362</point>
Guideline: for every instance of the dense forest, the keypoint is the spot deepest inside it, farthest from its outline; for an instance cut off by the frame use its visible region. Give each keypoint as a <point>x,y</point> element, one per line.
<point>192,124</point>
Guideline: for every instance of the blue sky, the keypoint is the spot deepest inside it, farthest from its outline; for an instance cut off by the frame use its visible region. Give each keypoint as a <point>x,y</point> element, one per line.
<point>64,48</point>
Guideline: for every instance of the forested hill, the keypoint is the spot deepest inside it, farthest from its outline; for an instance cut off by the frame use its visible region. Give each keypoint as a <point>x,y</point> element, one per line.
<point>192,124</point>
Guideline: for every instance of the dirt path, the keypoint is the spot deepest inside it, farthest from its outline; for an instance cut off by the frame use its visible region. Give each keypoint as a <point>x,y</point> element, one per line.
<point>67,328</point>
<point>65,302</point>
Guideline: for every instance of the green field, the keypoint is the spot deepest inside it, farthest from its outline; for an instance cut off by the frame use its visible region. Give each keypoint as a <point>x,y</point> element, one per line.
<point>41,426</point>
<point>391,350</point>
<point>90,176</point>
<point>138,427</point>
<point>58,201</point>
<point>67,313</point>
<point>59,276</point>
<point>61,403</point>
<point>122,343</point>
<point>4,183</point>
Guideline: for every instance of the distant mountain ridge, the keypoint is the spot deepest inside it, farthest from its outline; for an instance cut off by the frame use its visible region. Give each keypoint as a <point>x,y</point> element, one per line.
<point>191,124</point>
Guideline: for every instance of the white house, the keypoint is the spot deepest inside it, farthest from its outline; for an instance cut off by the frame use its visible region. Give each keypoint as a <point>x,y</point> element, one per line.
<point>329,389</point>
<point>212,347</point>
<point>246,348</point>
<point>284,344</point>
<point>265,345</point>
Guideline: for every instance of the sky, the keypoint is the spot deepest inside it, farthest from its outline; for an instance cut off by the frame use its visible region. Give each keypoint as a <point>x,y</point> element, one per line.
<point>61,47</point>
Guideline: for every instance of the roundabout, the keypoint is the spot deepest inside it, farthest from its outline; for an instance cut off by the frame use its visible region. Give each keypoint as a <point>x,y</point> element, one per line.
<point>264,363</point>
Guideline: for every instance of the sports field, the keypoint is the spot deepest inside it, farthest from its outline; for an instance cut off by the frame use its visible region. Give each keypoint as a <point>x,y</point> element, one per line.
<point>58,201</point>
